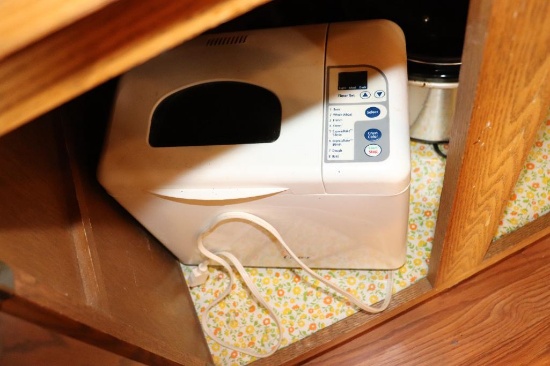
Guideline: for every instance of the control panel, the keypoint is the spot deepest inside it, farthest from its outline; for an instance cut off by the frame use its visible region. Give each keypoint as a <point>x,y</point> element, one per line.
<point>356,115</point>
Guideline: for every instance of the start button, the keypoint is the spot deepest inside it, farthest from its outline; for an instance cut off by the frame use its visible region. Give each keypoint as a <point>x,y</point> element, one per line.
<point>373,150</point>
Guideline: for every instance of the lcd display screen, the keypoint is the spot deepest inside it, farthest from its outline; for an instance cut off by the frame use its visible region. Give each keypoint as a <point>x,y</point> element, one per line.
<point>352,80</point>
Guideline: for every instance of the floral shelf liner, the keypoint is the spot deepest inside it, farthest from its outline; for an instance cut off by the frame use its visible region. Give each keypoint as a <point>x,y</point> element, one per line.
<point>306,306</point>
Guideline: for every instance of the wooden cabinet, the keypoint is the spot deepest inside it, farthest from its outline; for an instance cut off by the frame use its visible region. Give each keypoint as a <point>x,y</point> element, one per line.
<point>503,99</point>
<point>74,261</point>
<point>78,263</point>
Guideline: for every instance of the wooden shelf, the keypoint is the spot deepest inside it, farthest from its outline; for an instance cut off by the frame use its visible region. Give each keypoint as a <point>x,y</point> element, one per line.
<point>75,48</point>
<point>28,21</point>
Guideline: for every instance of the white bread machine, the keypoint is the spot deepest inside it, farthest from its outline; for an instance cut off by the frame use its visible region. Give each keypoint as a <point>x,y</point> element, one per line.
<point>306,127</point>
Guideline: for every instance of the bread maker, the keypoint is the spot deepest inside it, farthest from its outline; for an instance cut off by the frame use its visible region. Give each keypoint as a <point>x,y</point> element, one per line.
<point>306,127</point>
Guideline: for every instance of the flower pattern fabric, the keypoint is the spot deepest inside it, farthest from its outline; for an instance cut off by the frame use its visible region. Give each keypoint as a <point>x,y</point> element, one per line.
<point>306,306</point>
<point>303,303</point>
<point>531,196</point>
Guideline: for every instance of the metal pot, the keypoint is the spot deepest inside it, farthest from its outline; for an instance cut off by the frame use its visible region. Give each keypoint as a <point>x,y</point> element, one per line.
<point>435,35</point>
<point>431,109</point>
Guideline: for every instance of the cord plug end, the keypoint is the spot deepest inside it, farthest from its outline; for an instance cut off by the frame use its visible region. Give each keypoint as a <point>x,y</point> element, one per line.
<point>198,276</point>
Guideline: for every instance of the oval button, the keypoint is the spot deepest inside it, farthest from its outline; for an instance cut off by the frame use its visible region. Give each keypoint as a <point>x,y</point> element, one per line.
<point>372,112</point>
<point>373,150</point>
<point>364,95</point>
<point>373,134</point>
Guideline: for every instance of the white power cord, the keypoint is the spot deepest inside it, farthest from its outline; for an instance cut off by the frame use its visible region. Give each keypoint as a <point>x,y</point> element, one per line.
<point>199,276</point>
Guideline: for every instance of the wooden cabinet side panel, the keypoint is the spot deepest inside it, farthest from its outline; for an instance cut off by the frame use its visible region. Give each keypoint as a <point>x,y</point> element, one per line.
<point>81,265</point>
<point>142,281</point>
<point>38,213</point>
<point>503,96</point>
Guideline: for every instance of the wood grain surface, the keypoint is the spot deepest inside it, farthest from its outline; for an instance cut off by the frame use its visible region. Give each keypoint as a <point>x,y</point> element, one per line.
<point>98,47</point>
<point>498,317</point>
<point>25,21</point>
<point>23,344</point>
<point>503,98</point>
<point>488,320</point>
<point>82,265</point>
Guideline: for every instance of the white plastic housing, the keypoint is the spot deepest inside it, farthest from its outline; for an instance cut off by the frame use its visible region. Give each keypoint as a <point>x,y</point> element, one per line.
<point>334,213</point>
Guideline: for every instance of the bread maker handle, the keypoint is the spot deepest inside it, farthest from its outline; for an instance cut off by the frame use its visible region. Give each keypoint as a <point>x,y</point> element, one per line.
<point>216,194</point>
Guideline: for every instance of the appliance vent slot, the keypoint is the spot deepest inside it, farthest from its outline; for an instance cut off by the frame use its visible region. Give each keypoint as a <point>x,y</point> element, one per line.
<point>223,41</point>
